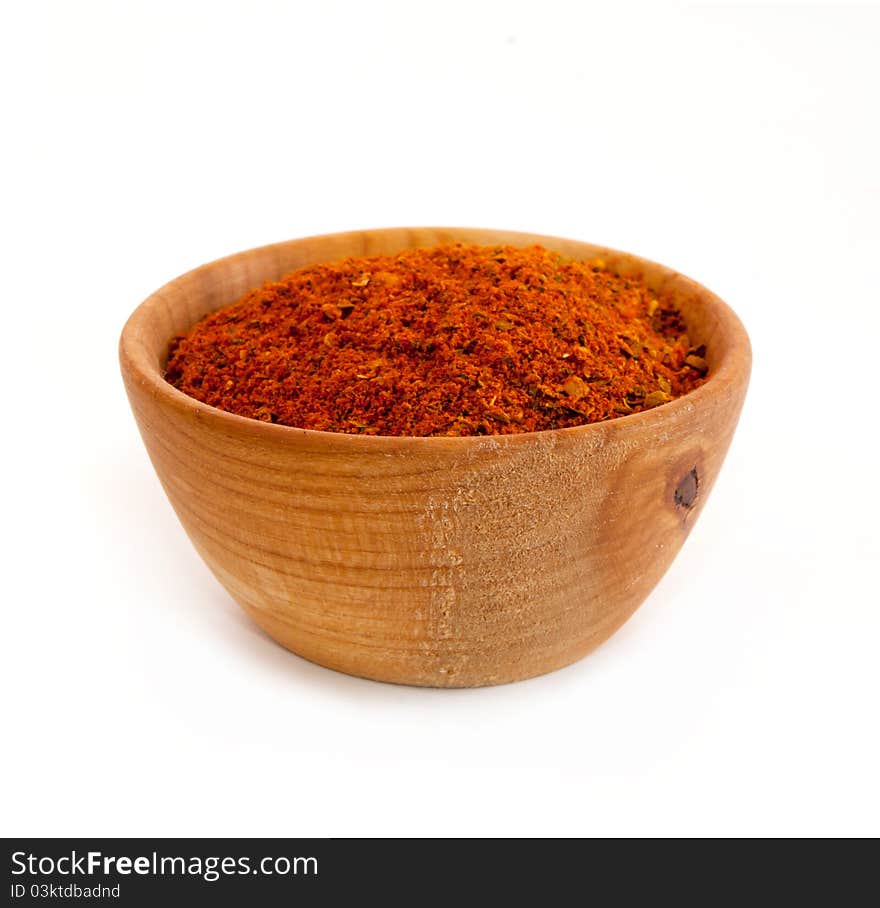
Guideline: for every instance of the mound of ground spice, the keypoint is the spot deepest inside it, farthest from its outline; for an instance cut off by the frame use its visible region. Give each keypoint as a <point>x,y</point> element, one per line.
<point>448,340</point>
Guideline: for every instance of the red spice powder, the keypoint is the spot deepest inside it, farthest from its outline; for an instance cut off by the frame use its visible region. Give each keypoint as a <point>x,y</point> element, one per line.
<point>447,340</point>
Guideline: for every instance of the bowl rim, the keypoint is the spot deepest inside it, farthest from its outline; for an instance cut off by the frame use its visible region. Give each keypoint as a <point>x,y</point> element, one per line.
<point>733,369</point>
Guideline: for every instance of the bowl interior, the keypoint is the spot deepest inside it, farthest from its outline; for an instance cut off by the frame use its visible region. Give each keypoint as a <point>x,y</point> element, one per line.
<point>177,306</point>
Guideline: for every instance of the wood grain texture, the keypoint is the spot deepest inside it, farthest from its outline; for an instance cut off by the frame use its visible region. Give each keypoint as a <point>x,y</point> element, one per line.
<point>447,562</point>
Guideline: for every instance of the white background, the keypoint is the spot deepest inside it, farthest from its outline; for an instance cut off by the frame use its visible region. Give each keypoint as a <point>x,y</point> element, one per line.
<point>739,145</point>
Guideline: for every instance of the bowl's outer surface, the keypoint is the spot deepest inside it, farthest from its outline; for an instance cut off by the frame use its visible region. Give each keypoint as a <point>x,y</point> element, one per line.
<point>432,561</point>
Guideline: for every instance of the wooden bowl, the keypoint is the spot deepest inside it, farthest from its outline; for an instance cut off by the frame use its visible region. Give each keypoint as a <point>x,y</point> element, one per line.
<point>445,562</point>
